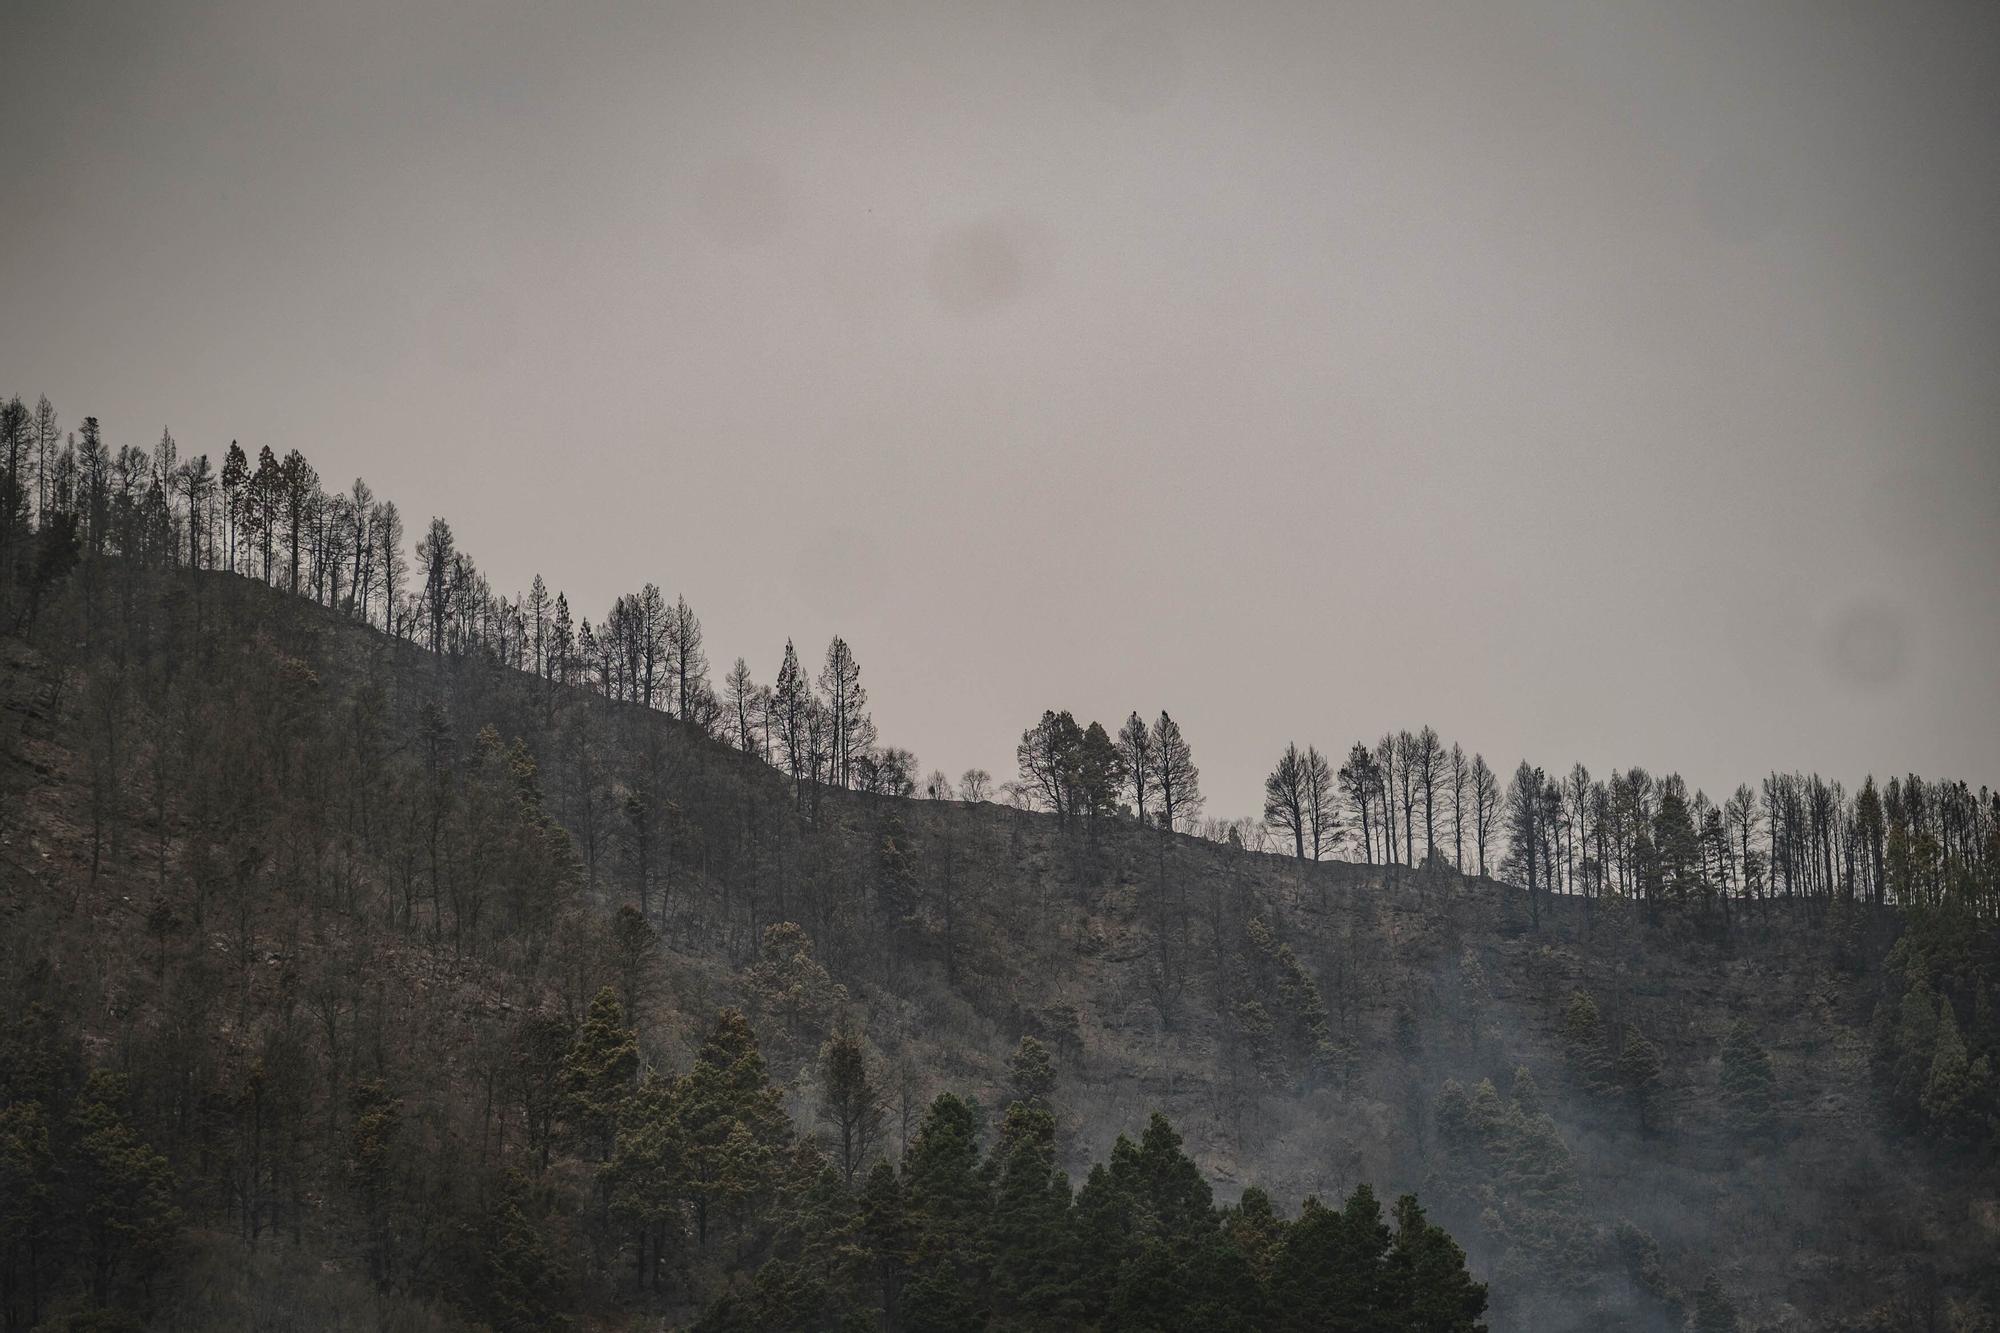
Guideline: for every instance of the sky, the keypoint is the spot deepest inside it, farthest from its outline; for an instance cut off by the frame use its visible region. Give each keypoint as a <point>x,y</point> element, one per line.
<point>1592,382</point>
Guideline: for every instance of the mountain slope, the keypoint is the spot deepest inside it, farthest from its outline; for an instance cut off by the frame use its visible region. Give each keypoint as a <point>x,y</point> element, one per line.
<point>259,852</point>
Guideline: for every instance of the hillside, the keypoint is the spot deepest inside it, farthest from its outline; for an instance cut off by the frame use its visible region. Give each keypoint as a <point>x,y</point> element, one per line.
<point>258,855</point>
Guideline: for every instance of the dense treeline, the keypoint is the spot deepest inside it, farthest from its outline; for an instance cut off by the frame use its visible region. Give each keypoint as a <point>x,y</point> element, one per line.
<point>368,1002</point>
<point>305,820</point>
<point>272,520</point>
<point>1796,839</point>
<point>1407,800</point>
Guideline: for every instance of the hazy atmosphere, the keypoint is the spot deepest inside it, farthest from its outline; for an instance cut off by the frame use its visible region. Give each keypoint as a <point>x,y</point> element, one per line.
<point>1614,386</point>
<point>970,668</point>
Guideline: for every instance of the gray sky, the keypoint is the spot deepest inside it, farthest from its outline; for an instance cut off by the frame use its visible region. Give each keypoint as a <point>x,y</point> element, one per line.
<point>1601,382</point>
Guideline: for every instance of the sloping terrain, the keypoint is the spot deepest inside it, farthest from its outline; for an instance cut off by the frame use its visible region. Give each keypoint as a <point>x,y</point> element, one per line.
<point>261,855</point>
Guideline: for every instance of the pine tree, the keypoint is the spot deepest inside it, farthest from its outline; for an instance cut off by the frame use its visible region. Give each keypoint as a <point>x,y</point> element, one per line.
<point>597,1075</point>
<point>850,1101</point>
<point>1957,1089</point>
<point>731,1122</point>
<point>1175,776</point>
<point>846,702</point>
<point>1174,1199</point>
<point>1436,1292</point>
<point>789,703</point>
<point>1100,773</point>
<point>1333,1261</point>
<point>646,1174</point>
<point>518,1283</point>
<point>942,1186</point>
<point>371,1166</point>
<point>1638,1070</point>
<point>537,1050</point>
<point>1358,779</point>
<point>940,1300</point>
<point>634,952</point>
<point>1583,1039</point>
<point>885,1230</point>
<point>1713,1312</point>
<point>28,1218</point>
<point>794,993</point>
<point>1135,749</point>
<point>1032,1075</point>
<point>121,1191</point>
<point>1747,1083</point>
<point>1033,1268</point>
<point>1103,1230</point>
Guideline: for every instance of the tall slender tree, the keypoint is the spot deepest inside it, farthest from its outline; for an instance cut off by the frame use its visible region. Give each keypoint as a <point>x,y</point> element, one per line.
<point>845,699</point>
<point>1485,807</point>
<point>1428,763</point>
<point>1458,775</point>
<point>1285,798</point>
<point>1358,780</point>
<point>1135,747</point>
<point>1175,776</point>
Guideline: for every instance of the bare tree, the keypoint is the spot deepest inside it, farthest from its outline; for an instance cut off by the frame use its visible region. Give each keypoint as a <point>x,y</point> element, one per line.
<point>1576,823</point>
<point>360,511</point>
<point>1485,807</point>
<point>1428,763</point>
<point>300,499</point>
<point>46,433</point>
<point>1526,833</point>
<point>1385,788</point>
<point>1285,798</point>
<point>1135,747</point>
<point>1458,772</point>
<point>196,482</point>
<point>686,660</point>
<point>1358,778</point>
<point>789,702</point>
<point>851,1100</point>
<point>1406,791</point>
<point>387,529</point>
<point>1322,804</point>
<point>435,551</point>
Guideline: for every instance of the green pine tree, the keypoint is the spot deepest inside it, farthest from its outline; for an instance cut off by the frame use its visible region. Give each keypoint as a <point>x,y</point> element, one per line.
<point>122,1192</point>
<point>519,1282</point>
<point>1956,1093</point>
<point>597,1075</point>
<point>1436,1290</point>
<point>1638,1069</point>
<point>1747,1083</point>
<point>1583,1039</point>
<point>1033,1266</point>
<point>944,1189</point>
<point>885,1232</point>
<point>733,1127</point>
<point>371,1167</point>
<point>645,1177</point>
<point>1032,1075</point>
<point>1713,1312</point>
<point>27,1212</point>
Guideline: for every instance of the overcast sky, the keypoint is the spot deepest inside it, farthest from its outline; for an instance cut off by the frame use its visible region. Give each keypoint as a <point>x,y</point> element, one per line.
<point>1604,382</point>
